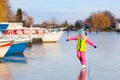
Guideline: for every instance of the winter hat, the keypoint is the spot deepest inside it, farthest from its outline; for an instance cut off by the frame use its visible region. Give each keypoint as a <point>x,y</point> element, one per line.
<point>81,31</point>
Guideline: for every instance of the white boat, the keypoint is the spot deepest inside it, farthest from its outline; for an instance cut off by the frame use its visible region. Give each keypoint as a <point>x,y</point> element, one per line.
<point>53,35</point>
<point>5,44</point>
<point>45,34</point>
<point>8,32</point>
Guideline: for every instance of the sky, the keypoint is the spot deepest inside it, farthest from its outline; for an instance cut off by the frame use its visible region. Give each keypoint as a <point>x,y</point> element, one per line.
<point>62,10</point>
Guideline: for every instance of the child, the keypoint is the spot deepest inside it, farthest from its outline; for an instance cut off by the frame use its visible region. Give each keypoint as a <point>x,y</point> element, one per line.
<point>81,46</point>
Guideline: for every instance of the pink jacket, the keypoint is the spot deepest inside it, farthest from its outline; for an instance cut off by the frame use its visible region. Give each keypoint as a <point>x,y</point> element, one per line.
<point>76,38</point>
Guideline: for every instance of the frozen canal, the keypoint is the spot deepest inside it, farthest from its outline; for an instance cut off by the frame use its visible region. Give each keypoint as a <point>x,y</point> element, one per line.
<point>58,61</point>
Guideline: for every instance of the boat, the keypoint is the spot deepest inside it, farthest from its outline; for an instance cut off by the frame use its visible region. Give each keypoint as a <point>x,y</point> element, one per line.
<point>19,43</point>
<point>44,34</point>
<point>52,35</point>
<point>5,44</point>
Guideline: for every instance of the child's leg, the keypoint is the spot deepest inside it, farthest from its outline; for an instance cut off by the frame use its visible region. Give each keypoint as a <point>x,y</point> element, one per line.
<point>83,58</point>
<point>79,56</point>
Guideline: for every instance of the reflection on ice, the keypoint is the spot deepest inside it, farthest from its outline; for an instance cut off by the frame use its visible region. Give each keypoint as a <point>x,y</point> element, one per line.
<point>46,49</point>
<point>5,74</point>
<point>15,57</point>
<point>82,75</point>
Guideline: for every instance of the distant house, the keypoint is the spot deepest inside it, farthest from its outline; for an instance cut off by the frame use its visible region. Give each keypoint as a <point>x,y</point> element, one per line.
<point>117,26</point>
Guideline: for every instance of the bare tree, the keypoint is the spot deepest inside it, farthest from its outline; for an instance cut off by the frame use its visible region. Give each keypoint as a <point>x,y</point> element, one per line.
<point>28,21</point>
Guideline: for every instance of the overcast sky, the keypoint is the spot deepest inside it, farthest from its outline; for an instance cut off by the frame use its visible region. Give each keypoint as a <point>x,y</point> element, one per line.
<point>61,10</point>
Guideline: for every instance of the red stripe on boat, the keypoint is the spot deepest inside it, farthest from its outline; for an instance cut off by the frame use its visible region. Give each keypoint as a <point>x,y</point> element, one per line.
<point>8,44</point>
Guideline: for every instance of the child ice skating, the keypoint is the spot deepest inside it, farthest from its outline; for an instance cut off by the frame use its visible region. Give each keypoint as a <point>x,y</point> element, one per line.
<point>81,46</point>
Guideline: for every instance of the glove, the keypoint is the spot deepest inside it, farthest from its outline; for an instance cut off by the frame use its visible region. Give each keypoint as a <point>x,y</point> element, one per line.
<point>66,39</point>
<point>85,33</point>
<point>95,46</point>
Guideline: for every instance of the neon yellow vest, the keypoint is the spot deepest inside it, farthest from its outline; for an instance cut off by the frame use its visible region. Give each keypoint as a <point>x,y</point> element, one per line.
<point>81,46</point>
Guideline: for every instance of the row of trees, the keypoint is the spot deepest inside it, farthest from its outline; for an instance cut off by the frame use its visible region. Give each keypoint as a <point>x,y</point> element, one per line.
<point>98,21</point>
<point>104,20</point>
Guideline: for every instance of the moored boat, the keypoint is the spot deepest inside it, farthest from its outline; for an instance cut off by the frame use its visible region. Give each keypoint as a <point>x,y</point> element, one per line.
<point>19,44</point>
<point>45,34</point>
<point>52,35</point>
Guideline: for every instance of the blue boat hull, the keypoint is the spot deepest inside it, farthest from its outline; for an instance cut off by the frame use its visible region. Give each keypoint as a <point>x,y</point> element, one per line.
<point>17,48</point>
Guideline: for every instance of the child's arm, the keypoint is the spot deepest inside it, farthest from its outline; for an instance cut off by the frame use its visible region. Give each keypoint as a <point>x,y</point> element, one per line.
<point>91,43</point>
<point>72,38</point>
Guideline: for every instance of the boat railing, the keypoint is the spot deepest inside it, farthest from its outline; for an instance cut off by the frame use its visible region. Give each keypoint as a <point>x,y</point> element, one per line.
<point>27,32</point>
<point>56,29</point>
<point>16,33</point>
